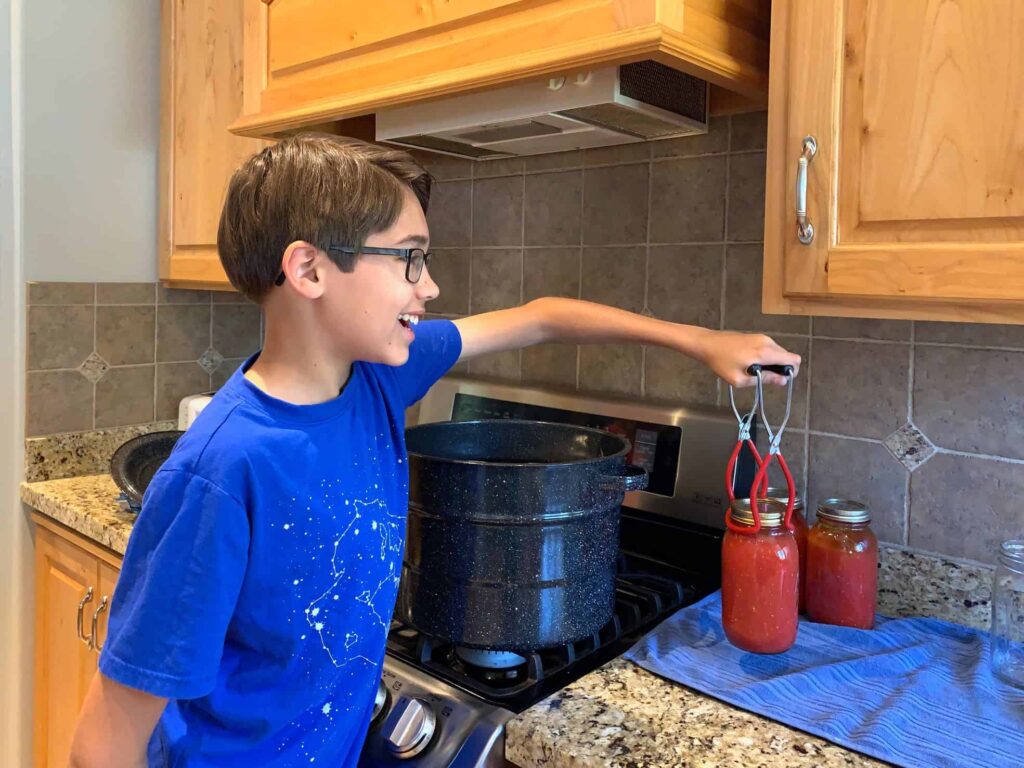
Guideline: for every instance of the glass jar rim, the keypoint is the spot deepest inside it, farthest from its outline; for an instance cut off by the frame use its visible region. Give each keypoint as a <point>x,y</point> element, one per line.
<point>771,512</point>
<point>781,494</point>
<point>1011,552</point>
<point>844,511</point>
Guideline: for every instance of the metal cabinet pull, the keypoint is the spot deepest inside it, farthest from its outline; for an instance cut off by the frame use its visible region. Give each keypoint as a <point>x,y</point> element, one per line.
<point>80,621</point>
<point>94,635</point>
<point>804,228</point>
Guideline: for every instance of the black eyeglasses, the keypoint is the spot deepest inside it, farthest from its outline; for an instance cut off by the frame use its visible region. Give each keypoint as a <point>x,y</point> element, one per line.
<point>415,259</point>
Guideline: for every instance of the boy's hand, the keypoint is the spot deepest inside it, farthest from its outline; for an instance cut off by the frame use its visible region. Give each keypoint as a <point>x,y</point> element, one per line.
<point>729,354</point>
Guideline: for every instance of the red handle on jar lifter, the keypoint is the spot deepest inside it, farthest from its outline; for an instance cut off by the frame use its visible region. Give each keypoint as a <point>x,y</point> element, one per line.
<point>760,482</point>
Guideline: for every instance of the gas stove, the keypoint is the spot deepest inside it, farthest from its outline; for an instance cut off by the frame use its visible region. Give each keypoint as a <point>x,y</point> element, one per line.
<point>442,705</point>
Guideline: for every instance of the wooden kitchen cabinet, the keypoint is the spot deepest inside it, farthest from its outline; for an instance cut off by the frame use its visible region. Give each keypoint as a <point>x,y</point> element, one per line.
<point>316,61</point>
<point>916,191</point>
<point>69,572</point>
<point>200,95</point>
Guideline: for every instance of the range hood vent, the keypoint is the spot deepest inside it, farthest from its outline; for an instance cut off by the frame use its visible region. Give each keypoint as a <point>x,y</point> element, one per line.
<point>618,105</point>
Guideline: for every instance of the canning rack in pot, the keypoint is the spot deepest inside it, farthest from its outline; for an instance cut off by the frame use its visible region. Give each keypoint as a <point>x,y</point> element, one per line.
<point>745,420</point>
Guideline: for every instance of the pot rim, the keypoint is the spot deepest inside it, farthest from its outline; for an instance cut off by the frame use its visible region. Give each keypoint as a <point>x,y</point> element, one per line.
<point>626,444</point>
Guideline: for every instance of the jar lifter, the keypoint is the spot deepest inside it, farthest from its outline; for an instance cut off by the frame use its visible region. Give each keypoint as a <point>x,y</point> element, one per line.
<point>745,421</point>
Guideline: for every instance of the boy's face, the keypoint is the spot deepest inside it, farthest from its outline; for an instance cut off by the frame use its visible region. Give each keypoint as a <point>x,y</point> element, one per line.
<point>366,303</point>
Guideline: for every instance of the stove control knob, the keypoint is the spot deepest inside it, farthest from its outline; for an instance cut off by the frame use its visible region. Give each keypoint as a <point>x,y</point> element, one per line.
<point>380,703</point>
<point>409,728</point>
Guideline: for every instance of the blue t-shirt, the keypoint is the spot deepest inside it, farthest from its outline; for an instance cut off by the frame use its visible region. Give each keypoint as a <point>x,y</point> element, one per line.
<point>261,575</point>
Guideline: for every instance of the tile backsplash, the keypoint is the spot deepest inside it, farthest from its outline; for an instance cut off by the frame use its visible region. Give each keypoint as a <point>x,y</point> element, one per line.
<point>106,355</point>
<point>915,418</point>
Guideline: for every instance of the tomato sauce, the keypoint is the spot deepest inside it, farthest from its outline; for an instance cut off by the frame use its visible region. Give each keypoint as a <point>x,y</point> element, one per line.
<point>800,534</point>
<point>780,494</point>
<point>760,581</point>
<point>842,573</point>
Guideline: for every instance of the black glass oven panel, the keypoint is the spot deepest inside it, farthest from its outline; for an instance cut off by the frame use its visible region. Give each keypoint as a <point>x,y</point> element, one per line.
<point>655,446</point>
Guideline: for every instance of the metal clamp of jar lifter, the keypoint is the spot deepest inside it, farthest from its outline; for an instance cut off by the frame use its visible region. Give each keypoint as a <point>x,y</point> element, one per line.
<point>774,442</point>
<point>745,421</point>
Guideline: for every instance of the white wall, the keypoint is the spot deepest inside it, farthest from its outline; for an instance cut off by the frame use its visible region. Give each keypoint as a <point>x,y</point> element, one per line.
<point>91,137</point>
<point>15,552</point>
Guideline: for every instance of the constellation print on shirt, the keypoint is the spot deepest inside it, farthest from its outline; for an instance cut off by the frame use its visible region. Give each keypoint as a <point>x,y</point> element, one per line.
<point>346,616</point>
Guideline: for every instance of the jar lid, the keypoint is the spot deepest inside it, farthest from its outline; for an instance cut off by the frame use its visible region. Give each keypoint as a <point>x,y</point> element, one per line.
<point>782,494</point>
<point>770,511</point>
<point>844,511</point>
<point>1011,553</point>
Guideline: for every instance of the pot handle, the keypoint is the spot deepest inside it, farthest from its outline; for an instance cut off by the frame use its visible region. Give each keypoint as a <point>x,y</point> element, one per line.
<point>633,478</point>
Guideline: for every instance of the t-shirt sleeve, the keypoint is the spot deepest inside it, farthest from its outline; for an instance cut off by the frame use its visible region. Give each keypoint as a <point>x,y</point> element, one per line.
<point>433,352</point>
<point>179,583</point>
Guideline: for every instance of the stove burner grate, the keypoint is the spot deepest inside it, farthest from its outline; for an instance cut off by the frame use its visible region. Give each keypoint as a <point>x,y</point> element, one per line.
<point>518,680</point>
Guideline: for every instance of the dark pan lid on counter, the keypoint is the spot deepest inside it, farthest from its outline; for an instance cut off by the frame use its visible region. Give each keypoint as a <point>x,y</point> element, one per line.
<point>133,464</point>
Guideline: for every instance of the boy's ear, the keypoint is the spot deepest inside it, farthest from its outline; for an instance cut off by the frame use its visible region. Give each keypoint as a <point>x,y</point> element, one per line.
<point>303,265</point>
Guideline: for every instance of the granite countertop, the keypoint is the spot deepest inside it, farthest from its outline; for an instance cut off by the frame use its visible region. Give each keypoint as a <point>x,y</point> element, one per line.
<point>623,716</point>
<point>86,504</point>
<point>620,714</point>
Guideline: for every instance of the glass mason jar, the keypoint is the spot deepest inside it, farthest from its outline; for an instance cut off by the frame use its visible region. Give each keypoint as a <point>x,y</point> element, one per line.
<point>1008,614</point>
<point>799,531</point>
<point>842,565</point>
<point>760,580</point>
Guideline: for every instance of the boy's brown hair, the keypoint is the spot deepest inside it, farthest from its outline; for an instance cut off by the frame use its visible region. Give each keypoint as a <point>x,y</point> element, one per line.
<point>326,190</point>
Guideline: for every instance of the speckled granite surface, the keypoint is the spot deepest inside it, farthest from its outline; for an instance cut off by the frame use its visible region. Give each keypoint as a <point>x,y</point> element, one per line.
<point>620,714</point>
<point>87,505</point>
<point>913,584</point>
<point>73,454</point>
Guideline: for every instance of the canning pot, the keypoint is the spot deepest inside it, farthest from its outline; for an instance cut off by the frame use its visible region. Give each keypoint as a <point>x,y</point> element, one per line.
<point>513,531</point>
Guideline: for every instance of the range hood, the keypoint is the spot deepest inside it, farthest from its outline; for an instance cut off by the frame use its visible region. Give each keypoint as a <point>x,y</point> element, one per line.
<point>616,105</point>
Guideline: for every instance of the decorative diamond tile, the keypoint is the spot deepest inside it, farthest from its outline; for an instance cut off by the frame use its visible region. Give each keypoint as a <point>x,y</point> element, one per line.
<point>93,367</point>
<point>910,447</point>
<point>210,360</point>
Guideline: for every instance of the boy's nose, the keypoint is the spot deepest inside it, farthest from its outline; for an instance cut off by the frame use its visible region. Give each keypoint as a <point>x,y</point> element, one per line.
<point>426,288</point>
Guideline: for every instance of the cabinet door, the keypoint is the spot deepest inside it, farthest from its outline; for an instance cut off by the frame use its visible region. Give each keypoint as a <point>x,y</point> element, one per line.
<point>916,191</point>
<point>201,93</point>
<point>64,665</point>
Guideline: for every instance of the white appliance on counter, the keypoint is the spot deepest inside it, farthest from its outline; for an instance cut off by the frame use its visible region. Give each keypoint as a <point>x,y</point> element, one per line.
<point>190,407</point>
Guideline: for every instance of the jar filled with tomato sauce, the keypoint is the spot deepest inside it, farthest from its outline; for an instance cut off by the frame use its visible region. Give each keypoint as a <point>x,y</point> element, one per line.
<point>842,565</point>
<point>760,579</point>
<point>799,531</point>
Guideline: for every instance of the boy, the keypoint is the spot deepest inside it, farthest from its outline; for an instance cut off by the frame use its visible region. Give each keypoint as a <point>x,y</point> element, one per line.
<point>249,621</point>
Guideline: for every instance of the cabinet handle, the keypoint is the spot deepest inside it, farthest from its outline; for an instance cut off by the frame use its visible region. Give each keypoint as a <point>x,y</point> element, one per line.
<point>87,598</point>
<point>804,228</point>
<point>94,637</point>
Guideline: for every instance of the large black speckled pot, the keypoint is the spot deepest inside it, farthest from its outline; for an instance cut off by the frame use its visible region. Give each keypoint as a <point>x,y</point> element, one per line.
<point>513,531</point>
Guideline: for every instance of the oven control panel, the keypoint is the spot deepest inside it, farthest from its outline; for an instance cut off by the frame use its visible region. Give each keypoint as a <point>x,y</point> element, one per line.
<point>421,721</point>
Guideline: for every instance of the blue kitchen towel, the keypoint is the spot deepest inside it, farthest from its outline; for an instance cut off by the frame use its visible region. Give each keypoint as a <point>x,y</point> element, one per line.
<point>914,692</point>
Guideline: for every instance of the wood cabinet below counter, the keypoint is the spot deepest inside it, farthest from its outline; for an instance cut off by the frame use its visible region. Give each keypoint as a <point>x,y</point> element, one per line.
<point>74,583</point>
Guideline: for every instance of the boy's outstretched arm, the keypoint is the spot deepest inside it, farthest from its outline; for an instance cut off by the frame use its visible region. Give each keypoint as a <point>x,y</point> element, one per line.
<point>114,726</point>
<point>581,322</point>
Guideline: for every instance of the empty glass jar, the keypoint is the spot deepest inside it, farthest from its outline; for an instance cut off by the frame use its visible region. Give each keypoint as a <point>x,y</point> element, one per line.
<point>1008,614</point>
